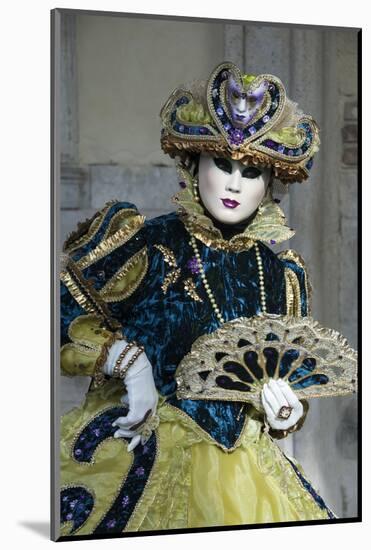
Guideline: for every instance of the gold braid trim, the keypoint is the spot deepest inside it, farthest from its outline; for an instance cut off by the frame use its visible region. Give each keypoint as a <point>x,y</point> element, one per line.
<point>295,257</point>
<point>127,279</point>
<point>119,220</point>
<point>86,230</point>
<point>111,243</point>
<point>286,172</point>
<point>85,294</point>
<point>293,305</point>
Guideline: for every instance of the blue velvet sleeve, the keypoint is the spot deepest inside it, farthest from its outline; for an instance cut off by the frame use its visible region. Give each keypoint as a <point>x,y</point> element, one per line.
<point>105,262</point>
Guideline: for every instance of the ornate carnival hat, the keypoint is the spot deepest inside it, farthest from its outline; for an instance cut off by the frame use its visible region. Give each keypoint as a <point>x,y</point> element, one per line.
<point>244,117</point>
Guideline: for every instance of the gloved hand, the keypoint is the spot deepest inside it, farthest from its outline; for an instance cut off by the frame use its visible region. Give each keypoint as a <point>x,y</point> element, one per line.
<point>277,394</point>
<point>141,397</point>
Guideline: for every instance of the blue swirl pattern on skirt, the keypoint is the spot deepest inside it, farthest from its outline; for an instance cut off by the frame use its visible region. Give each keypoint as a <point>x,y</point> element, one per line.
<point>76,505</point>
<point>116,518</point>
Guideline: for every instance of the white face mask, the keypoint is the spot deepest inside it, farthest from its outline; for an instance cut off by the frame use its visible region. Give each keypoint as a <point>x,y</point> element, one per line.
<point>230,190</point>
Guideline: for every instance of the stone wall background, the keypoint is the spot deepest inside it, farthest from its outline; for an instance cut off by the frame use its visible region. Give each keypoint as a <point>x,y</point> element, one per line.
<point>115,75</point>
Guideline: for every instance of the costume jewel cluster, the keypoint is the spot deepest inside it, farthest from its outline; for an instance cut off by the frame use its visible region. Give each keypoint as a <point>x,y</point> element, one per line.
<point>268,130</point>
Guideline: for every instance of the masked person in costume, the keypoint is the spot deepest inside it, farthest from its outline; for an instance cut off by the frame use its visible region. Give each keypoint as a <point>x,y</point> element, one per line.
<point>194,331</point>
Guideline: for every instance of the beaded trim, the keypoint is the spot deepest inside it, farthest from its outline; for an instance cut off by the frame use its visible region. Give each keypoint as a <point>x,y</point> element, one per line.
<point>119,360</point>
<point>131,362</point>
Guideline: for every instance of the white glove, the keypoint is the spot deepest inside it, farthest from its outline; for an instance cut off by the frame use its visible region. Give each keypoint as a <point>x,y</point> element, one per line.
<point>142,396</point>
<point>277,394</point>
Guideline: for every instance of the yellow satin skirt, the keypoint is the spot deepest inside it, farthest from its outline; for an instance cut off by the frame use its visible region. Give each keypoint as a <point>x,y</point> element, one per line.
<point>194,482</point>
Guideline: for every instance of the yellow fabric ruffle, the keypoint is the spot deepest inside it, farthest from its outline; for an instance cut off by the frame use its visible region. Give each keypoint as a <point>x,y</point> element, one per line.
<point>194,483</point>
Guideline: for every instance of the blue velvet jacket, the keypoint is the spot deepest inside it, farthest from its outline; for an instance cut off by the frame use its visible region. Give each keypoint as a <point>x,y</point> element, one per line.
<point>132,273</point>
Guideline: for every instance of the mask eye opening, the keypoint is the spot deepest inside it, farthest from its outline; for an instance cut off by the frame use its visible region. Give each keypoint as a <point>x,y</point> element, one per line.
<point>223,164</point>
<point>251,172</point>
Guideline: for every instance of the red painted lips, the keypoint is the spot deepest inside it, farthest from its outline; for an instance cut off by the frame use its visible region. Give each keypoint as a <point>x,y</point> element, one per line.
<point>230,203</point>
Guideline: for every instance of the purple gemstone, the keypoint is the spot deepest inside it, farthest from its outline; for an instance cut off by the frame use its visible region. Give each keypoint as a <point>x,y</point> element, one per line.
<point>111,524</point>
<point>78,452</point>
<point>269,143</point>
<point>69,516</point>
<point>183,184</point>
<point>266,118</point>
<point>224,75</point>
<point>252,130</point>
<point>290,152</point>
<point>139,471</point>
<point>281,149</point>
<point>273,241</point>
<point>64,499</point>
<point>125,501</point>
<point>192,265</point>
<point>236,136</point>
<point>215,93</point>
<point>220,111</point>
<point>203,130</point>
<point>227,126</point>
<point>97,432</point>
<point>271,87</point>
<point>181,128</point>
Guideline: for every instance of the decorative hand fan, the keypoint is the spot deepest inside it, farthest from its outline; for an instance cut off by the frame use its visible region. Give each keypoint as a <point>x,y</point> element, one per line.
<point>233,363</point>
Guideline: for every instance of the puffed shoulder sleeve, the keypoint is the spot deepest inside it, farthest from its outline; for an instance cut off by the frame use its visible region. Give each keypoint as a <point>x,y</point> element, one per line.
<point>103,265</point>
<point>297,284</point>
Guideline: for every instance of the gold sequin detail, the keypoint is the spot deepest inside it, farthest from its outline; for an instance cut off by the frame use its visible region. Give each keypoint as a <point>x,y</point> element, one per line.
<point>170,278</point>
<point>169,258</point>
<point>190,288</point>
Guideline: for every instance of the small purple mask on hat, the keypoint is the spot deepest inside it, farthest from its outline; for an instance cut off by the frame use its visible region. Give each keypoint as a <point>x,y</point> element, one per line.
<point>244,104</point>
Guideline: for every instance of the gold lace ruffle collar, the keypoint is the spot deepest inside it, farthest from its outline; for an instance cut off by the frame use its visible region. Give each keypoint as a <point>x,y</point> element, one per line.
<point>269,224</point>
